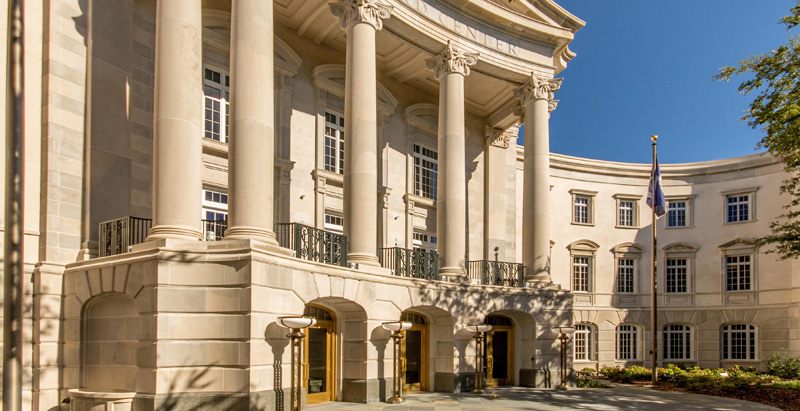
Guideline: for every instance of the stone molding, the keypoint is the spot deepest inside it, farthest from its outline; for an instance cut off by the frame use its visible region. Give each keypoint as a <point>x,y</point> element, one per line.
<point>539,88</point>
<point>498,138</point>
<point>451,60</point>
<point>371,12</point>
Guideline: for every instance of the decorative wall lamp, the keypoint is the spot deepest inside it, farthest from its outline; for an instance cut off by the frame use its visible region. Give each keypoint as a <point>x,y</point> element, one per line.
<point>479,330</point>
<point>296,324</point>
<point>397,328</point>
<point>564,337</point>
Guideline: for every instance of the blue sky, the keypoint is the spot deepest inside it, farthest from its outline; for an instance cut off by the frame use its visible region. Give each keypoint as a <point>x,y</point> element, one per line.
<point>645,67</point>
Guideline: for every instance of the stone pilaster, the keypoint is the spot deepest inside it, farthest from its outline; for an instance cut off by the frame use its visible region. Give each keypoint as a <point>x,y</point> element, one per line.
<point>536,96</point>
<point>450,67</point>
<point>361,19</point>
<point>251,164</point>
<point>178,121</point>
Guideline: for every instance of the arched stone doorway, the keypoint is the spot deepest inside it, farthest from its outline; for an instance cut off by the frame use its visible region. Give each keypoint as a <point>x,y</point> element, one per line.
<point>498,353</point>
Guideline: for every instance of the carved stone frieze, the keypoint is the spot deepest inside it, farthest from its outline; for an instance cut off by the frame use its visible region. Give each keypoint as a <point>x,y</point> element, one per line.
<point>452,60</point>
<point>498,137</point>
<point>538,88</point>
<point>372,12</point>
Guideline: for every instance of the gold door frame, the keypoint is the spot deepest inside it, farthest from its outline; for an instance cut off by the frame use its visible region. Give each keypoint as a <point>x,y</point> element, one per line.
<point>423,366</point>
<point>489,352</point>
<point>330,375</point>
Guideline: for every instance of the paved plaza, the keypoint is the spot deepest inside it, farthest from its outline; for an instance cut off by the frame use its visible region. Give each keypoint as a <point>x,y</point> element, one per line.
<point>517,398</point>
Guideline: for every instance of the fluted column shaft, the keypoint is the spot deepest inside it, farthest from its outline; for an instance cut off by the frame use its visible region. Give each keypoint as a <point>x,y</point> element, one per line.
<point>361,19</point>
<point>251,146</point>
<point>537,98</point>
<point>178,120</point>
<point>450,67</point>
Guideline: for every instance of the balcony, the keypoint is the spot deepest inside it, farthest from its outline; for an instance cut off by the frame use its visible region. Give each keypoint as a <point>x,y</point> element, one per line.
<point>313,244</point>
<point>496,273</point>
<point>410,263</point>
<point>214,230</point>
<point>116,236</point>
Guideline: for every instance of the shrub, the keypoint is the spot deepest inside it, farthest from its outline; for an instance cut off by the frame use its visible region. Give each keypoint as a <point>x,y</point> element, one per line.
<point>788,385</point>
<point>736,378</point>
<point>783,365</point>
<point>591,384</point>
<point>634,373</point>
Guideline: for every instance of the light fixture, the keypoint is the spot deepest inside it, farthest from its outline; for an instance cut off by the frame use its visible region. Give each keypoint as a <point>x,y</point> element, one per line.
<point>296,336</point>
<point>397,328</point>
<point>479,330</point>
<point>565,332</point>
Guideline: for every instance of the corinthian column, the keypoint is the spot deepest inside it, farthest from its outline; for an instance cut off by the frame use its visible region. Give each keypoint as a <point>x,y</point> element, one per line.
<point>361,19</point>
<point>251,147</point>
<point>536,96</point>
<point>178,119</point>
<point>450,67</point>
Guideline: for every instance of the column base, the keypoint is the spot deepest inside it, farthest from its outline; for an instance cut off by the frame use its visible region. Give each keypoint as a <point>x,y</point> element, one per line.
<point>454,274</point>
<point>363,259</point>
<point>251,233</point>
<point>175,232</point>
<point>88,251</point>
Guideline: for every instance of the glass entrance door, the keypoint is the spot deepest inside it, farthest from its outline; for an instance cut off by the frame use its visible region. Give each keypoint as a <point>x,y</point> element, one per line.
<point>318,355</point>
<point>499,353</point>
<point>414,354</point>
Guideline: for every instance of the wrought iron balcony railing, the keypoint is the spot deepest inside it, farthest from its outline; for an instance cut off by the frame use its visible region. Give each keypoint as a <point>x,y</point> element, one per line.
<point>214,230</point>
<point>410,263</point>
<point>313,244</point>
<point>497,273</point>
<point>116,236</point>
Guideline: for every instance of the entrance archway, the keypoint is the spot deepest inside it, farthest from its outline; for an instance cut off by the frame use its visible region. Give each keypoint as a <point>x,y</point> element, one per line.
<point>498,354</point>
<point>414,352</point>
<point>320,349</point>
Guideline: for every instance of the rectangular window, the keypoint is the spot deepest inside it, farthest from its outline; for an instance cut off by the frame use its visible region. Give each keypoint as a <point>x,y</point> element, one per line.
<point>582,209</point>
<point>217,106</point>
<point>626,342</point>
<point>426,169</point>
<point>738,208</point>
<point>334,142</point>
<point>580,273</point>
<point>676,216</point>
<point>215,205</point>
<point>583,342</point>
<point>625,271</point>
<point>626,210</point>
<point>424,241</point>
<point>737,273</point>
<point>676,275</point>
<point>334,223</point>
<point>677,342</point>
<point>738,342</point>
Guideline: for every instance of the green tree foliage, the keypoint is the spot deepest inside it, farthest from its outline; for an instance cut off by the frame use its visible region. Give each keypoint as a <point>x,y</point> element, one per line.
<point>776,110</point>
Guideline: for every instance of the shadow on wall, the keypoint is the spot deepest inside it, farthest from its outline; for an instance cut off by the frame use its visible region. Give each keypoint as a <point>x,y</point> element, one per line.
<point>275,336</point>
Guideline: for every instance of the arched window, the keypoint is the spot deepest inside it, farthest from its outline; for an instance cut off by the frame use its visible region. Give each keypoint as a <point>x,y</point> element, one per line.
<point>677,342</point>
<point>627,342</point>
<point>738,342</point>
<point>584,342</point>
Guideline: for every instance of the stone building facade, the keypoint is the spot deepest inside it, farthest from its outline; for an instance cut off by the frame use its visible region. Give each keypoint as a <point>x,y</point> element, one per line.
<point>196,170</point>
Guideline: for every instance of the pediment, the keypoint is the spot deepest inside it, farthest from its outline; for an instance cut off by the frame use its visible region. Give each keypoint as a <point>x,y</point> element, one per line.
<point>628,248</point>
<point>583,245</point>
<point>738,243</point>
<point>679,248</point>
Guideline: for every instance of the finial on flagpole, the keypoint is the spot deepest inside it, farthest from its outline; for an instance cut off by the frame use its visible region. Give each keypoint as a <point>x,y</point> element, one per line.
<point>654,138</point>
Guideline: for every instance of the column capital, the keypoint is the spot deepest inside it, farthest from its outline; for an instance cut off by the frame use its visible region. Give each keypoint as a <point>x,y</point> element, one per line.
<point>498,137</point>
<point>451,60</point>
<point>538,88</point>
<point>372,12</point>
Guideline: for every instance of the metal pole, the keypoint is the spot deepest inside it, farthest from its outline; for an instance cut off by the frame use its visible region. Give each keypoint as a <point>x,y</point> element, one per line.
<point>653,296</point>
<point>13,262</point>
<point>296,337</point>
<point>397,384</point>
<point>478,367</point>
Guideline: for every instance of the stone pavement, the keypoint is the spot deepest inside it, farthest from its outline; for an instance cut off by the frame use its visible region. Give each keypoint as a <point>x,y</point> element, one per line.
<point>519,398</point>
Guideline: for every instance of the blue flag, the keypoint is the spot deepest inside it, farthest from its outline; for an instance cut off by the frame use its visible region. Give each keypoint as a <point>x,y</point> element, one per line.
<point>656,201</point>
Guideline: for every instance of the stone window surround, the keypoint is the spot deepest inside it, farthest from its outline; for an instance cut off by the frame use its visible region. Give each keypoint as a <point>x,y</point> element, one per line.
<point>584,248</point>
<point>591,195</point>
<point>739,247</point>
<point>635,218</point>
<point>689,199</point>
<point>674,251</point>
<point>631,251</point>
<point>751,215</point>
<point>423,132</point>
<point>692,344</point>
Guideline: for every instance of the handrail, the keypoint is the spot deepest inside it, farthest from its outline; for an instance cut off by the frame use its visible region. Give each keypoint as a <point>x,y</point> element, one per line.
<point>116,236</point>
<point>404,262</point>
<point>490,272</point>
<point>310,243</point>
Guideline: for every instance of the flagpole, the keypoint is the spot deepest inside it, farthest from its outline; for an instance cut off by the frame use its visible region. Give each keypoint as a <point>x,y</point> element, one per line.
<point>653,296</point>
